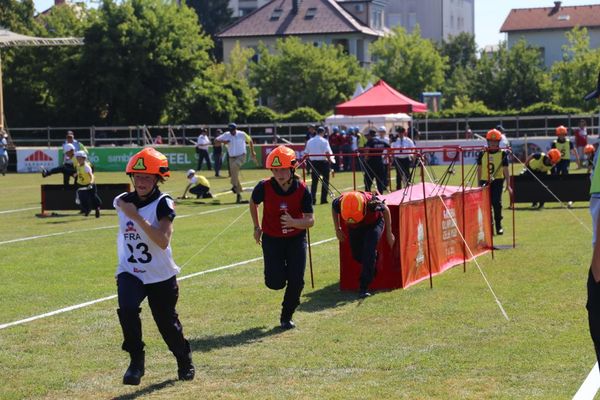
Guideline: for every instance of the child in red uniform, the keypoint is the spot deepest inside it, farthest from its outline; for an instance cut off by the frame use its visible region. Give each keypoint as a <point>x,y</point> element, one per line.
<point>366,217</point>
<point>287,213</point>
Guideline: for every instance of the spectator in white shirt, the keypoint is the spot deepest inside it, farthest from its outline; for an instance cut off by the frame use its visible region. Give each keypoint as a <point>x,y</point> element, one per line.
<point>202,145</point>
<point>402,159</point>
<point>236,147</point>
<point>317,149</point>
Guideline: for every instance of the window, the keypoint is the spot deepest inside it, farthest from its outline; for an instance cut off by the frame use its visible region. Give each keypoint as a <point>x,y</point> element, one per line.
<point>310,13</point>
<point>276,14</point>
<point>564,17</point>
<point>359,8</point>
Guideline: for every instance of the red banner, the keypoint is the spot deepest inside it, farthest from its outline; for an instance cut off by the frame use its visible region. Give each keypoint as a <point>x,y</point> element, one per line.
<point>426,243</point>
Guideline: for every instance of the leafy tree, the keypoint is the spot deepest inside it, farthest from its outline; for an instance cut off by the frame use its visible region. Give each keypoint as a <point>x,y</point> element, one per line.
<point>17,16</point>
<point>297,74</point>
<point>408,62</point>
<point>138,54</point>
<point>512,78</point>
<point>460,51</point>
<point>214,15</point>
<point>577,74</point>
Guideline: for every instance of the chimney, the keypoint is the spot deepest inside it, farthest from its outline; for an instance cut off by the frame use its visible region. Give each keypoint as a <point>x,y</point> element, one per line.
<point>556,7</point>
<point>295,6</point>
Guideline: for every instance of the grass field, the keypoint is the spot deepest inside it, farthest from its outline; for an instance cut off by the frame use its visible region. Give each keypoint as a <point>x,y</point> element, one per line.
<point>449,342</point>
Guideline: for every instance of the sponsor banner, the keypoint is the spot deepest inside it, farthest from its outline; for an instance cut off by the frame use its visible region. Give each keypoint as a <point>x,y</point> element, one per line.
<point>31,159</point>
<point>437,245</point>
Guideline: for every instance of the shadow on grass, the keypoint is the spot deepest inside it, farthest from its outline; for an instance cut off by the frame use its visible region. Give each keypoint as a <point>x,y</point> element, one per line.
<point>206,344</point>
<point>328,297</point>
<point>147,390</point>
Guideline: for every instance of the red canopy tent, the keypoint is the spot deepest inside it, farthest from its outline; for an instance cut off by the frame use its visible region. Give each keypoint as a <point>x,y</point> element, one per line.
<point>380,99</point>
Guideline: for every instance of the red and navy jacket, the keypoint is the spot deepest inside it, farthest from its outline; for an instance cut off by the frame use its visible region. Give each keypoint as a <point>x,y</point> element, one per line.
<point>296,201</point>
<point>375,209</point>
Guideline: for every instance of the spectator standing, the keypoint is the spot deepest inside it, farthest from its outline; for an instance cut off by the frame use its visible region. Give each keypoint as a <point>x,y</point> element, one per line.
<point>3,152</point>
<point>335,141</point>
<point>158,140</point>
<point>236,141</point>
<point>581,138</point>
<point>286,214</point>
<point>218,154</point>
<point>402,161</point>
<point>346,149</point>
<point>374,166</point>
<point>146,267</point>
<point>320,164</point>
<point>312,131</point>
<point>566,148</point>
<point>202,145</point>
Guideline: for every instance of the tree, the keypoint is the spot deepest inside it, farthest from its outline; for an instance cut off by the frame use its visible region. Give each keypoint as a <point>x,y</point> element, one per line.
<point>214,15</point>
<point>460,52</point>
<point>408,62</point>
<point>577,73</point>
<point>137,55</point>
<point>513,78</point>
<point>297,74</point>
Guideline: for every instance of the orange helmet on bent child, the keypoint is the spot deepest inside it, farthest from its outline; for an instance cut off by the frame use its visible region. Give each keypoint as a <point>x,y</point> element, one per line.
<point>281,157</point>
<point>353,207</point>
<point>149,161</point>
<point>554,155</point>
<point>493,134</point>
<point>561,130</point>
<point>589,149</point>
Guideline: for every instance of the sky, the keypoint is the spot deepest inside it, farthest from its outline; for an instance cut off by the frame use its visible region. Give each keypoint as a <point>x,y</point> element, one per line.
<point>489,15</point>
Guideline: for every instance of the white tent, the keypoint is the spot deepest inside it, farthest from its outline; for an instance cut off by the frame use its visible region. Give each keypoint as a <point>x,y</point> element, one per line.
<point>369,121</point>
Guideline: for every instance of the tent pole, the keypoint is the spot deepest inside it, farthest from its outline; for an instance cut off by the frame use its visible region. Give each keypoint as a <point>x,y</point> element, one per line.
<point>1,97</point>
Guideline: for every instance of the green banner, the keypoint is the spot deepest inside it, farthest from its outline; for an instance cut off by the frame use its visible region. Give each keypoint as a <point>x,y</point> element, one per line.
<point>180,158</point>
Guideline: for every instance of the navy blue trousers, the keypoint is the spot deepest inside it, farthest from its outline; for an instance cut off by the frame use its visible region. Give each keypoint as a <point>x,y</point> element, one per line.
<point>162,298</point>
<point>363,243</point>
<point>285,263</point>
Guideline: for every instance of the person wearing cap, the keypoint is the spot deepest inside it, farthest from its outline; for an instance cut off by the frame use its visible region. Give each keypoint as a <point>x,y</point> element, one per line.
<point>402,160</point>
<point>197,185</point>
<point>311,132</point>
<point>286,215</point>
<point>145,265</point>
<point>3,152</point>
<point>319,161</point>
<point>492,170</point>
<point>202,145</point>
<point>374,168</point>
<point>236,142</point>
<point>366,217</point>
<point>566,148</point>
<point>86,193</point>
<point>589,151</point>
<point>538,165</point>
<point>68,168</point>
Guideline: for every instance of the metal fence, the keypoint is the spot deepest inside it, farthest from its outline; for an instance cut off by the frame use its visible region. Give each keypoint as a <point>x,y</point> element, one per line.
<point>429,129</point>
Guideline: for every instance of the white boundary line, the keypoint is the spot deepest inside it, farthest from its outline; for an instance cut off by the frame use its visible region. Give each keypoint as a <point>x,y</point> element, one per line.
<point>590,385</point>
<point>105,227</point>
<point>19,210</point>
<point>89,303</point>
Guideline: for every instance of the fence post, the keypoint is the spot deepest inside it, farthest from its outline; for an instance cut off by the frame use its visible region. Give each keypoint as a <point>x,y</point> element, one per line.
<point>48,134</point>
<point>517,126</point>
<point>92,135</point>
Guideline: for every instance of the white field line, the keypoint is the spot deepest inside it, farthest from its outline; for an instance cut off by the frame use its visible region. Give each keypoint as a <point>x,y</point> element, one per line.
<point>19,210</point>
<point>24,239</point>
<point>590,385</point>
<point>89,303</point>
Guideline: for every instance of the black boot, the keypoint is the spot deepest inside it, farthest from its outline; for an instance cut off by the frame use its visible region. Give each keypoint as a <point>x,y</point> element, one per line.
<point>238,198</point>
<point>134,373</point>
<point>185,368</point>
<point>285,320</point>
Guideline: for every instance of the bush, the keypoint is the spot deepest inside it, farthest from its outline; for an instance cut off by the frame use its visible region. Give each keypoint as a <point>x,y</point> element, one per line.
<point>302,114</point>
<point>263,115</point>
<point>549,109</point>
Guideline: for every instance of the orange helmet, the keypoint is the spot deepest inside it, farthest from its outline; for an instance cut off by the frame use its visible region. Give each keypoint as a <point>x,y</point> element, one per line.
<point>561,130</point>
<point>149,161</point>
<point>281,157</point>
<point>353,207</point>
<point>493,134</point>
<point>589,149</point>
<point>554,155</point>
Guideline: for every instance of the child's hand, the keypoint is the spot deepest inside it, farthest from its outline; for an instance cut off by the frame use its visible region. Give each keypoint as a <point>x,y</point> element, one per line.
<point>129,209</point>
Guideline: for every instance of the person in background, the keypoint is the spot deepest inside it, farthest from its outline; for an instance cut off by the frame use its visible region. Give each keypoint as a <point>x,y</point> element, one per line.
<point>581,138</point>
<point>492,169</point>
<point>312,131</point>
<point>286,215</point>
<point>202,145</point>
<point>566,148</point>
<point>335,142</point>
<point>218,154</point>
<point>236,141</point>
<point>86,185</point>
<point>3,152</point>
<point>346,148</point>
<point>402,161</point>
<point>589,151</point>
<point>366,217</point>
<point>157,140</point>
<point>539,164</point>
<point>320,164</point>
<point>504,143</point>
<point>68,167</point>
<point>374,168</point>
<point>198,185</point>
<point>146,267</point>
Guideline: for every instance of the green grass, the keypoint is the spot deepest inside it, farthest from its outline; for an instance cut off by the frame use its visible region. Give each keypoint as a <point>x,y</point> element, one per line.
<point>449,342</point>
